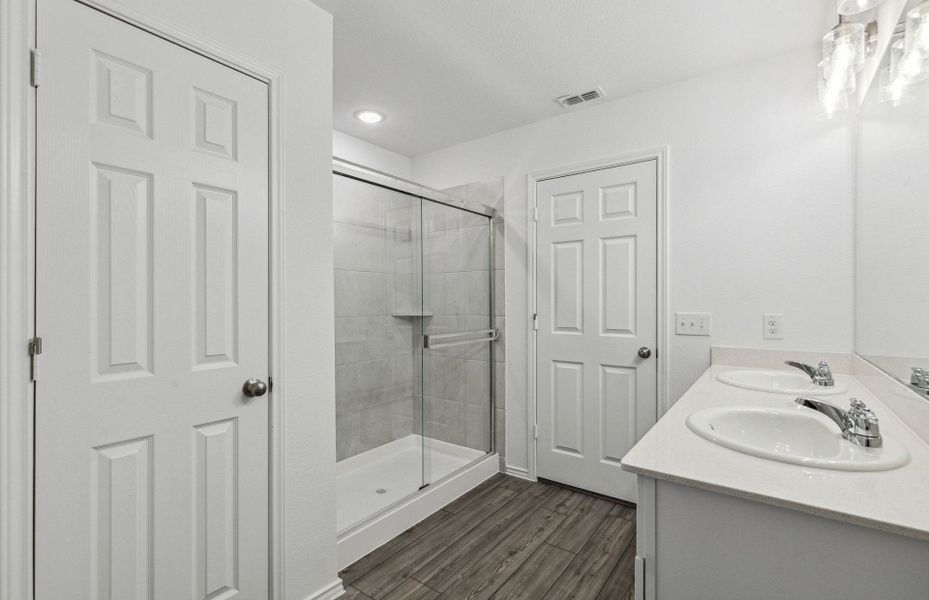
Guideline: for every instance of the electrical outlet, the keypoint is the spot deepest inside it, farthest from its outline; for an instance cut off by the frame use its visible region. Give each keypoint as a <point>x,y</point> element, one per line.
<point>771,326</point>
<point>692,323</point>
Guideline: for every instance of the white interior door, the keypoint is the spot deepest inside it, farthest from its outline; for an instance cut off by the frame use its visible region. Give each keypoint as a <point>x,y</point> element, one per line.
<point>152,300</point>
<point>597,306</point>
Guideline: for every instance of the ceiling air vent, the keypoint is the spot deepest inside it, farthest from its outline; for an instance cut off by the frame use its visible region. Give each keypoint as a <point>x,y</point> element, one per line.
<point>576,99</point>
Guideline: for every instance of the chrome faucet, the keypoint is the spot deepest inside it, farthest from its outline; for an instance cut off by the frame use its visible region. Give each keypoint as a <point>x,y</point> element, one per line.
<point>919,380</point>
<point>858,424</point>
<point>821,375</point>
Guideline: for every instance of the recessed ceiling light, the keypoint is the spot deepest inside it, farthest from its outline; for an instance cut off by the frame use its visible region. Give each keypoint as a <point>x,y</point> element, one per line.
<point>371,117</point>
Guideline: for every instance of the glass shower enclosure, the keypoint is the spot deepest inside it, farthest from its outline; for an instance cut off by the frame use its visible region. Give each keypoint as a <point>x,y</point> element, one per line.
<point>414,334</point>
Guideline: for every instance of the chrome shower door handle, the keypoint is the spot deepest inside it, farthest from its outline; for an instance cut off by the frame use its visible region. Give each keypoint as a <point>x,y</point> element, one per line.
<point>432,341</point>
<point>254,388</point>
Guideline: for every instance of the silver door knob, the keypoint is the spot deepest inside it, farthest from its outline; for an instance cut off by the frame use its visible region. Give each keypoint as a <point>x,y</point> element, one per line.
<point>645,352</point>
<point>254,388</point>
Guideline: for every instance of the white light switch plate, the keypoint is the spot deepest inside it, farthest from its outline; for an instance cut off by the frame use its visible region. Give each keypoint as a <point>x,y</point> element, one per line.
<point>692,323</point>
<point>771,326</point>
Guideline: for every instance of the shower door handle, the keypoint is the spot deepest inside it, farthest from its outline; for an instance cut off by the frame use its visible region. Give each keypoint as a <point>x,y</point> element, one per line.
<point>444,340</point>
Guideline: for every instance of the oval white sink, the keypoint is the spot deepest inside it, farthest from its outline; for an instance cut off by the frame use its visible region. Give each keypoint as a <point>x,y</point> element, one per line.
<point>780,382</point>
<point>797,436</point>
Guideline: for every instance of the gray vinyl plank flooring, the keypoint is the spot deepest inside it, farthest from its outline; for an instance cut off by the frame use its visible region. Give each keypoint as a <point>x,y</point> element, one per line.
<point>412,590</point>
<point>506,539</point>
<point>492,570</point>
<point>353,594</point>
<point>469,548</point>
<point>581,523</point>
<point>564,501</point>
<point>376,557</point>
<point>619,585</point>
<point>587,574</point>
<point>534,578</point>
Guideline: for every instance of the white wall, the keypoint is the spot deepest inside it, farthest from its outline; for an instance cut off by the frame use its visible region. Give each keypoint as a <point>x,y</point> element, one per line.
<point>295,37</point>
<point>350,148</point>
<point>759,206</point>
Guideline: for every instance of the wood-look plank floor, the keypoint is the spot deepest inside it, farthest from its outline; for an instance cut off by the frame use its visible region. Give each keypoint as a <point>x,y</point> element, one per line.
<point>506,539</point>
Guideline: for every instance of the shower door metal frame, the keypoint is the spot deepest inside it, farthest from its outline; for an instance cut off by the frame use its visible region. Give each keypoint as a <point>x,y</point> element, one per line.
<point>370,176</point>
<point>411,188</point>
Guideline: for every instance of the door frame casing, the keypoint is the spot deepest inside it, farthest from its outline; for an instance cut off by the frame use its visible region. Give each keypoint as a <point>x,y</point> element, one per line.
<point>660,155</point>
<point>18,121</point>
<point>17,168</point>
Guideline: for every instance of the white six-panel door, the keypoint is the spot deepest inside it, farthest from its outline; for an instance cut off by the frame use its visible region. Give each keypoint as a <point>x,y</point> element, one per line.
<point>596,294</point>
<point>152,299</point>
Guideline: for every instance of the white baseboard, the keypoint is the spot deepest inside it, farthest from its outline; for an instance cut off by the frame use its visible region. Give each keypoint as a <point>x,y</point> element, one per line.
<point>360,540</point>
<point>330,592</point>
<point>518,472</point>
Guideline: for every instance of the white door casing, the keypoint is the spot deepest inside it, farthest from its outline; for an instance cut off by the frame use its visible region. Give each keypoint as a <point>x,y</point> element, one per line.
<point>596,294</point>
<point>152,299</point>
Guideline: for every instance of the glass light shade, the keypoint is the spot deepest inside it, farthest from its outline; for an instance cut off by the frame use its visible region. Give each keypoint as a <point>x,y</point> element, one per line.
<point>833,104</point>
<point>835,79</point>
<point>893,89</point>
<point>897,50</point>
<point>917,29</point>
<point>844,47</point>
<point>908,62</point>
<point>854,7</point>
<point>835,89</point>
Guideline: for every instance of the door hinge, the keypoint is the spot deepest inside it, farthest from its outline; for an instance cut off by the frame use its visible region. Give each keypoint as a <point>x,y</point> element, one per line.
<point>535,431</point>
<point>535,213</point>
<point>535,321</point>
<point>35,349</point>
<point>36,67</point>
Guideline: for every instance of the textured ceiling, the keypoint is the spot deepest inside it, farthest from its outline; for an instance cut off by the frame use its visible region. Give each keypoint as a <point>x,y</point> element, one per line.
<point>447,71</point>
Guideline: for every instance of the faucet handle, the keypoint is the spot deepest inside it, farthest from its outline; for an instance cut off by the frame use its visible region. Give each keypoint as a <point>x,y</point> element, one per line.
<point>823,374</point>
<point>860,408</point>
<point>920,377</point>
<point>861,420</point>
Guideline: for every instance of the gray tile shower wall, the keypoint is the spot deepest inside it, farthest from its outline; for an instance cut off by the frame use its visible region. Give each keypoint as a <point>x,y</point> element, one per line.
<point>374,278</point>
<point>395,259</point>
<point>456,285</point>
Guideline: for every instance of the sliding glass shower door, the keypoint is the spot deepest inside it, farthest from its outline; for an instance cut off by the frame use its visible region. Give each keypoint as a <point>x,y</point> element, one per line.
<point>413,320</point>
<point>457,358</point>
<point>378,301</point>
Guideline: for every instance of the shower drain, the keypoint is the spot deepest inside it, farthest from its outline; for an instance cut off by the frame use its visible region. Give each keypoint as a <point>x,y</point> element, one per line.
<point>381,491</point>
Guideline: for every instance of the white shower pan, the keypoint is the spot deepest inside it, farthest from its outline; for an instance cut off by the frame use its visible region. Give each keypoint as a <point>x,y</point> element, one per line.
<point>374,501</point>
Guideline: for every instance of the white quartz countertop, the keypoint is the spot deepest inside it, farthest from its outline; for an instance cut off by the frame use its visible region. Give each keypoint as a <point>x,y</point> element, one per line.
<point>896,501</point>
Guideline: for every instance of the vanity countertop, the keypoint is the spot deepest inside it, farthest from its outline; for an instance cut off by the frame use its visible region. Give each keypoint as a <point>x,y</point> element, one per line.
<point>896,501</point>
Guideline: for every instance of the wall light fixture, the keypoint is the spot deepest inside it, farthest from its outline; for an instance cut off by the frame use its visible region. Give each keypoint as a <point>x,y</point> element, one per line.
<point>844,51</point>
<point>855,7</point>
<point>909,58</point>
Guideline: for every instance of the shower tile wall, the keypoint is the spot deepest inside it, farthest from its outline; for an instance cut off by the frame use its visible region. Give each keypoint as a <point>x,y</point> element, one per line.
<point>455,285</point>
<point>374,277</point>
